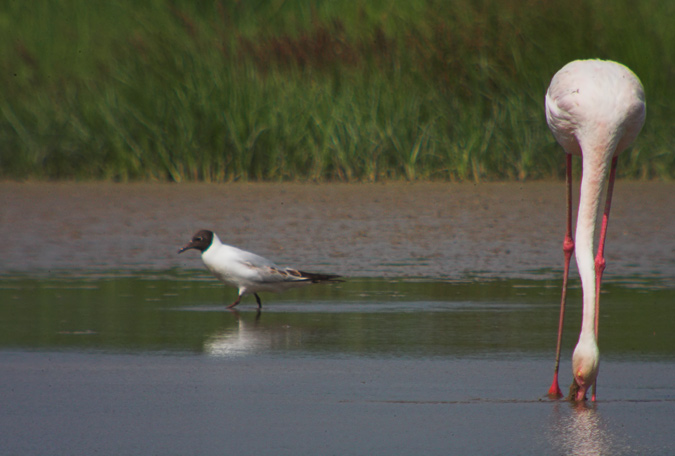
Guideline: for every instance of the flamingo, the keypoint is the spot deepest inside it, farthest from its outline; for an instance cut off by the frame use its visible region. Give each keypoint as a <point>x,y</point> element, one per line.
<point>595,109</point>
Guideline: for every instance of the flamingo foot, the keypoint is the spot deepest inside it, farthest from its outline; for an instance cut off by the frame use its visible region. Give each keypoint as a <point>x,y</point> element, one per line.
<point>554,391</point>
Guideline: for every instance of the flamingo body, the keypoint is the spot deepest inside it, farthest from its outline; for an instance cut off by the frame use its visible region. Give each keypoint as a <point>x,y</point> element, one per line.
<point>595,109</point>
<point>595,104</point>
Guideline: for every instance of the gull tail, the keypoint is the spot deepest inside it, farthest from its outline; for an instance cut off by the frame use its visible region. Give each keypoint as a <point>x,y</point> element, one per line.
<point>319,278</point>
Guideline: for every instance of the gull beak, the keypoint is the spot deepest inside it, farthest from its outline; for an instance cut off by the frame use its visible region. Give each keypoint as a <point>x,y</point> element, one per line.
<point>187,246</point>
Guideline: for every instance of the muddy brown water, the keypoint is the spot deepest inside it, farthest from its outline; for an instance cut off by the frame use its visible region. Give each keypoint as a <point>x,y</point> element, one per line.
<point>372,230</point>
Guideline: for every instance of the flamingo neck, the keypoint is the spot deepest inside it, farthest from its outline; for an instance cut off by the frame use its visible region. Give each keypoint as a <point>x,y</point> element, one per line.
<point>595,170</point>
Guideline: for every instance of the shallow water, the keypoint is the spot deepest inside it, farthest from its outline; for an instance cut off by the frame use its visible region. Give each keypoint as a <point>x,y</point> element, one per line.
<point>155,363</point>
<point>184,312</point>
<point>110,343</point>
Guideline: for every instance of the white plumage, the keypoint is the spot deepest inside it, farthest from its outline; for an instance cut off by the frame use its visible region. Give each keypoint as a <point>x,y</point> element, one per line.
<point>248,272</point>
<point>595,109</point>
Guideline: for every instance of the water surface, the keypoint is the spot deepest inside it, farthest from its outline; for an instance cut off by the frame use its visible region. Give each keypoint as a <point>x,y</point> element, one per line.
<point>184,312</point>
<point>371,366</point>
<point>440,342</point>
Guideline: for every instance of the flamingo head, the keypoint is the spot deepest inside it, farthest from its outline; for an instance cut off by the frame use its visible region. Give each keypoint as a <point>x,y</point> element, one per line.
<point>585,366</point>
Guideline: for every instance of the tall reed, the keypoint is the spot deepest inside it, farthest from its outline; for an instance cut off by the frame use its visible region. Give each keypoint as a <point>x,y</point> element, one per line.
<point>330,90</point>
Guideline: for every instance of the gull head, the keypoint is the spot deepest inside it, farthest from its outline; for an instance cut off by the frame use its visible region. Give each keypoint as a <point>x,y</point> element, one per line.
<point>200,241</point>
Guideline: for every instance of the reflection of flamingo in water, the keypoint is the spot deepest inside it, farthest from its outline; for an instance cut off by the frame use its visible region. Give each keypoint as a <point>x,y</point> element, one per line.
<point>581,431</point>
<point>595,109</point>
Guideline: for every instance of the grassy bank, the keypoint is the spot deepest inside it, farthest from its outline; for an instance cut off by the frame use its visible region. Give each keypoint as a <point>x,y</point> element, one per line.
<point>292,90</point>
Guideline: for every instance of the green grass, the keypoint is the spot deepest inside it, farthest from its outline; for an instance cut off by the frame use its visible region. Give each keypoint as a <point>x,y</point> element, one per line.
<point>329,90</point>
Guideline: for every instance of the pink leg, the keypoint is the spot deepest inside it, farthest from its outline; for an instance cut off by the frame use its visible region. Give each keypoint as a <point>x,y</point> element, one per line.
<point>600,257</point>
<point>568,249</point>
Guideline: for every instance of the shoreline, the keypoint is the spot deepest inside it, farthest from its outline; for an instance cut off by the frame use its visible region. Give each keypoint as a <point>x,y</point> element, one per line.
<point>445,230</point>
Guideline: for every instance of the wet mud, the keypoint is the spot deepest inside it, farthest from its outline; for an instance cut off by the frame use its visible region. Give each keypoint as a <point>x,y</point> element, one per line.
<point>434,230</point>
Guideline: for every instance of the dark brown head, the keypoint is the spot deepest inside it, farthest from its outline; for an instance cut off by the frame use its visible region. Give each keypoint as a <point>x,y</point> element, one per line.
<point>200,241</point>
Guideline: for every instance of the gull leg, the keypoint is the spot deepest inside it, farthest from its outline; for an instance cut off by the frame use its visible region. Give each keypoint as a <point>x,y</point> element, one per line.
<point>234,304</point>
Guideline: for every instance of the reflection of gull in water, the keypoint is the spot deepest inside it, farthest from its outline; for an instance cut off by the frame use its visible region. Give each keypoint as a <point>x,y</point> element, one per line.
<point>581,432</point>
<point>250,337</point>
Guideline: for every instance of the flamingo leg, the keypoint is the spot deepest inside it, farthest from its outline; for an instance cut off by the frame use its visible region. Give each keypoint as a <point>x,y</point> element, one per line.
<point>568,249</point>
<point>600,257</point>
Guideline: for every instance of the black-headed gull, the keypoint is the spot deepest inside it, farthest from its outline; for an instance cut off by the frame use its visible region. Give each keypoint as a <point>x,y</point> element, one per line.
<point>248,272</point>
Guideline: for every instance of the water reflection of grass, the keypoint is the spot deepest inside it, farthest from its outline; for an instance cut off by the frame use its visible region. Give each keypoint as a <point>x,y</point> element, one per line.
<point>223,91</point>
<point>366,317</point>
